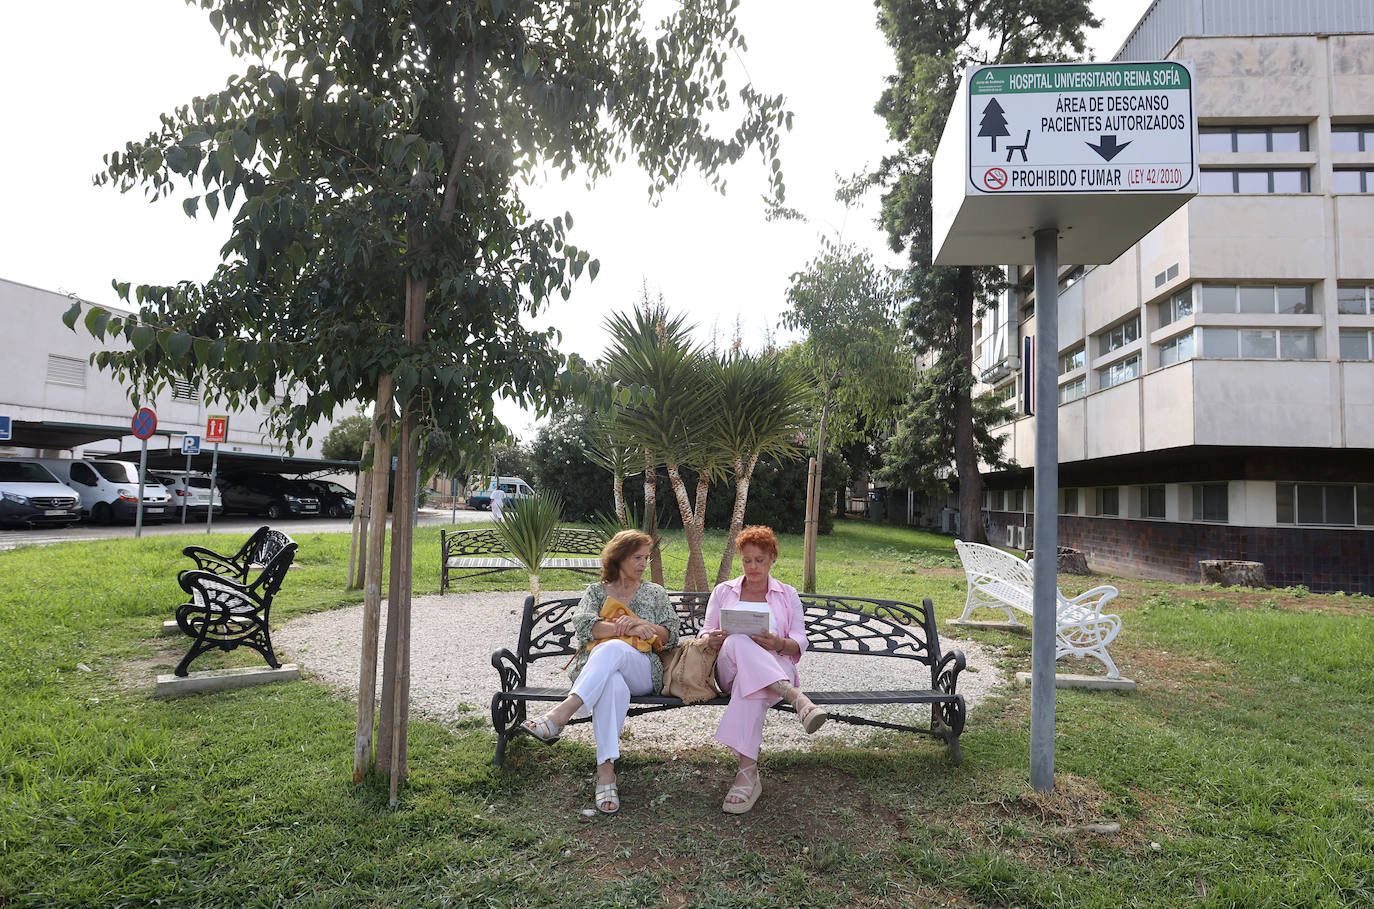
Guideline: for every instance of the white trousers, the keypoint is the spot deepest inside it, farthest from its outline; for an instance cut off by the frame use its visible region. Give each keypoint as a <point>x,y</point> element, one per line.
<point>614,672</point>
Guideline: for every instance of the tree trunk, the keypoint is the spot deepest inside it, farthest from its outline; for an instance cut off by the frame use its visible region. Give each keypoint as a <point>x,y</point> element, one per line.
<point>618,494</point>
<point>743,476</point>
<point>362,510</point>
<point>965,449</point>
<point>813,507</point>
<point>695,576</point>
<point>651,517</point>
<point>372,571</point>
<point>391,744</point>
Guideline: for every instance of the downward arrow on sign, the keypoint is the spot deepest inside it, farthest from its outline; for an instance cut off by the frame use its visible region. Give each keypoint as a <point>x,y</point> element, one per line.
<point>1108,149</point>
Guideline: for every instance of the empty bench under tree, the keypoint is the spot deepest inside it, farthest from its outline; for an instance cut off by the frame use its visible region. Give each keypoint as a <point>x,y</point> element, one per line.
<point>471,553</point>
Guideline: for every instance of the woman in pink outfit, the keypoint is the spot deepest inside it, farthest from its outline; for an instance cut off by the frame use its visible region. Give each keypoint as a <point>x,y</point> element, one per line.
<point>757,670</point>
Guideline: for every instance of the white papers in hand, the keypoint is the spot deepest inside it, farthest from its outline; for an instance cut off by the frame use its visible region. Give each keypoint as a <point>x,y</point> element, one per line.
<point>743,621</point>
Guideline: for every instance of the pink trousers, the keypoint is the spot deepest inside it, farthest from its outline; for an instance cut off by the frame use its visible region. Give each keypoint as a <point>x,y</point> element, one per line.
<point>745,670</point>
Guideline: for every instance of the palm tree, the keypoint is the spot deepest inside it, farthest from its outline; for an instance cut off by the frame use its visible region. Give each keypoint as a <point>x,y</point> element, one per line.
<point>653,349</point>
<point>527,527</point>
<point>762,404</point>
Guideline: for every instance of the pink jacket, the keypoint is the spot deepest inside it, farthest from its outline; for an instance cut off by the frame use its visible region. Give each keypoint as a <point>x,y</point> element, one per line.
<point>782,599</point>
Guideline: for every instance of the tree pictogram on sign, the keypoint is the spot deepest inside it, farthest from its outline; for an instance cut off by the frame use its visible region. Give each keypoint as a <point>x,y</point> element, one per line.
<point>993,124</point>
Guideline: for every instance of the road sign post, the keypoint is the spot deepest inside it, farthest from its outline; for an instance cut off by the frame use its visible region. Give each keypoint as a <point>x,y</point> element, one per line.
<point>216,431</point>
<point>190,445</point>
<point>144,425</point>
<point>1091,158</point>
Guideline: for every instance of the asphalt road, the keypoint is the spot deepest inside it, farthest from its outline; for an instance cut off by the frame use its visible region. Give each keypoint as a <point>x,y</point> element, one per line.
<point>41,536</point>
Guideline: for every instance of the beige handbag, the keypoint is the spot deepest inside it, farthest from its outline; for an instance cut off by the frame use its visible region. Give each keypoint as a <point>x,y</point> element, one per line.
<point>689,671</point>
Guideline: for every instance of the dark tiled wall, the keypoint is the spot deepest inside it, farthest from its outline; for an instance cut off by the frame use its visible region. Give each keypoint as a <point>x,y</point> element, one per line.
<point>1321,559</point>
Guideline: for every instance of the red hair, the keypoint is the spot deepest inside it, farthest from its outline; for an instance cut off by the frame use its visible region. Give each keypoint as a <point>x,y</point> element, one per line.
<point>760,536</point>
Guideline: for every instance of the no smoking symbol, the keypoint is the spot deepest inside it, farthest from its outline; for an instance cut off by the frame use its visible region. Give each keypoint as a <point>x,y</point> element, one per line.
<point>995,178</point>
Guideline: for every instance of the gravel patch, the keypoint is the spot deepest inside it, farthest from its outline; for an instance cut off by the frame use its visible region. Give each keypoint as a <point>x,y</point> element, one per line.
<point>452,679</point>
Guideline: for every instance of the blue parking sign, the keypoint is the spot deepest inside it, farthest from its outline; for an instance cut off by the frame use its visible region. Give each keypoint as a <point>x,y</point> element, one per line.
<point>190,445</point>
<point>4,429</point>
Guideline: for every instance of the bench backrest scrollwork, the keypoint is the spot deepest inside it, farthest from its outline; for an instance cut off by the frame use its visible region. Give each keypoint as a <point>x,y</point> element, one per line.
<point>488,541</point>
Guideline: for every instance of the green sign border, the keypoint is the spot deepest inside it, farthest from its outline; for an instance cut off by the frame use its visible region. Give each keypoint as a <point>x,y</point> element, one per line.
<point>996,80</point>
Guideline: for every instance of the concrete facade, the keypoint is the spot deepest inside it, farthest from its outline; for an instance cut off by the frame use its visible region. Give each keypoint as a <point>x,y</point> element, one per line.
<point>50,379</point>
<point>1212,384</point>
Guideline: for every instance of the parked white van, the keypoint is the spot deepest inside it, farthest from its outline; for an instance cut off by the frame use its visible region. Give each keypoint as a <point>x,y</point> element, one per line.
<point>30,495</point>
<point>513,487</point>
<point>109,489</point>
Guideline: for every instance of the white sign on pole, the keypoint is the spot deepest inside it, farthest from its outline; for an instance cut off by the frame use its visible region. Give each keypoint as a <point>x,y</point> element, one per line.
<point>1059,144</point>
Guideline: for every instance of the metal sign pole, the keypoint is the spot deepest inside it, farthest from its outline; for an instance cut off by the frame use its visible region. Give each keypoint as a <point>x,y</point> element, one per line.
<point>142,467</point>
<point>214,470</point>
<point>1046,542</point>
<point>186,498</point>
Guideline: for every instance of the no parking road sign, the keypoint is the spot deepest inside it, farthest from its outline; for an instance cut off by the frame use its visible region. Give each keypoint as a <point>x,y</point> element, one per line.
<point>145,423</point>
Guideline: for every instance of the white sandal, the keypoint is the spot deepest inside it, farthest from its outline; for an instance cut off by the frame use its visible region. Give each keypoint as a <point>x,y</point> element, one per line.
<point>750,793</point>
<point>542,729</point>
<point>607,792</point>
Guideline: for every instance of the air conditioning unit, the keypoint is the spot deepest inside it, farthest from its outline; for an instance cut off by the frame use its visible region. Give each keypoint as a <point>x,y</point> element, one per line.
<point>1028,537</point>
<point>1011,535</point>
<point>1020,538</point>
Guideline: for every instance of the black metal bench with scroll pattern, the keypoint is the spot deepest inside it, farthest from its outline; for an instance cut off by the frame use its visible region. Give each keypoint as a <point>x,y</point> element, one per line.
<point>834,624</point>
<point>255,553</point>
<point>471,553</point>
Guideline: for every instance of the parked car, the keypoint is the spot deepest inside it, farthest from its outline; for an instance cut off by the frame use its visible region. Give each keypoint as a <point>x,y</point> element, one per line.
<point>513,487</point>
<point>336,500</point>
<point>268,494</point>
<point>109,489</point>
<point>192,490</point>
<point>30,495</point>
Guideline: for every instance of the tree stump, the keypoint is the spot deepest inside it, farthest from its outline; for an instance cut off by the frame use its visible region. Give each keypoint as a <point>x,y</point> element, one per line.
<point>1070,561</point>
<point>1232,573</point>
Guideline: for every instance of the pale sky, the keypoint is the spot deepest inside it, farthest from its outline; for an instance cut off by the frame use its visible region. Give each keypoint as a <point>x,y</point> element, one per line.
<point>85,76</point>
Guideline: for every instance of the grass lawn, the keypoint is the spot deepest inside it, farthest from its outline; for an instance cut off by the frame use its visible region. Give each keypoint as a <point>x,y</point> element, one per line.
<point>1241,772</point>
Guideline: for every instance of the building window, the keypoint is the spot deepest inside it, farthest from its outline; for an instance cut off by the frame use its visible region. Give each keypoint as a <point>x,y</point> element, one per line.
<point>1284,299</point>
<point>1352,180</point>
<point>1176,350</point>
<point>1118,337</point>
<point>1209,502</point>
<point>1339,505</point>
<point>1109,501</point>
<point>1072,391</point>
<point>1070,278</point>
<point>1356,344</point>
<point>995,500</point>
<point>1252,138</point>
<point>1179,306</point>
<point>1072,360</point>
<point>1355,301</point>
<point>184,391</point>
<point>1248,181</point>
<point>1120,371</point>
<point>1005,392</point>
<point>1152,502</point>
<point>1352,137</point>
<point>1069,503</point>
<point>66,371</point>
<point>1016,500</point>
<point>1259,343</point>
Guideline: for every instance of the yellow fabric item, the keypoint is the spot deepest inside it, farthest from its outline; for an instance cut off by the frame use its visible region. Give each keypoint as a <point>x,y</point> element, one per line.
<point>614,609</point>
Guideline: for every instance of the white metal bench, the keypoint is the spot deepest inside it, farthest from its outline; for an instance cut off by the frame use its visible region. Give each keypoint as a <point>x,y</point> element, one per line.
<point>999,580</point>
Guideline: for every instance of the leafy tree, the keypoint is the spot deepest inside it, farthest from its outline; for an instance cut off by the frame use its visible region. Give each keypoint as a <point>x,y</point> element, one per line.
<point>933,43</point>
<point>761,410</point>
<point>853,354</point>
<point>372,160</point>
<point>563,464</point>
<point>346,439</point>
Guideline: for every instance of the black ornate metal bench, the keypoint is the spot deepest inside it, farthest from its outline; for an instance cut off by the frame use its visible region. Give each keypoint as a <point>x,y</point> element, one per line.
<point>255,553</point>
<point>226,610</point>
<point>834,624</point>
<point>470,553</point>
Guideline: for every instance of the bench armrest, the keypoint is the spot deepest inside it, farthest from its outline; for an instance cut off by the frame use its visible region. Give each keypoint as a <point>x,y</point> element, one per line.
<point>509,668</point>
<point>1093,599</point>
<point>945,675</point>
<point>209,560</point>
